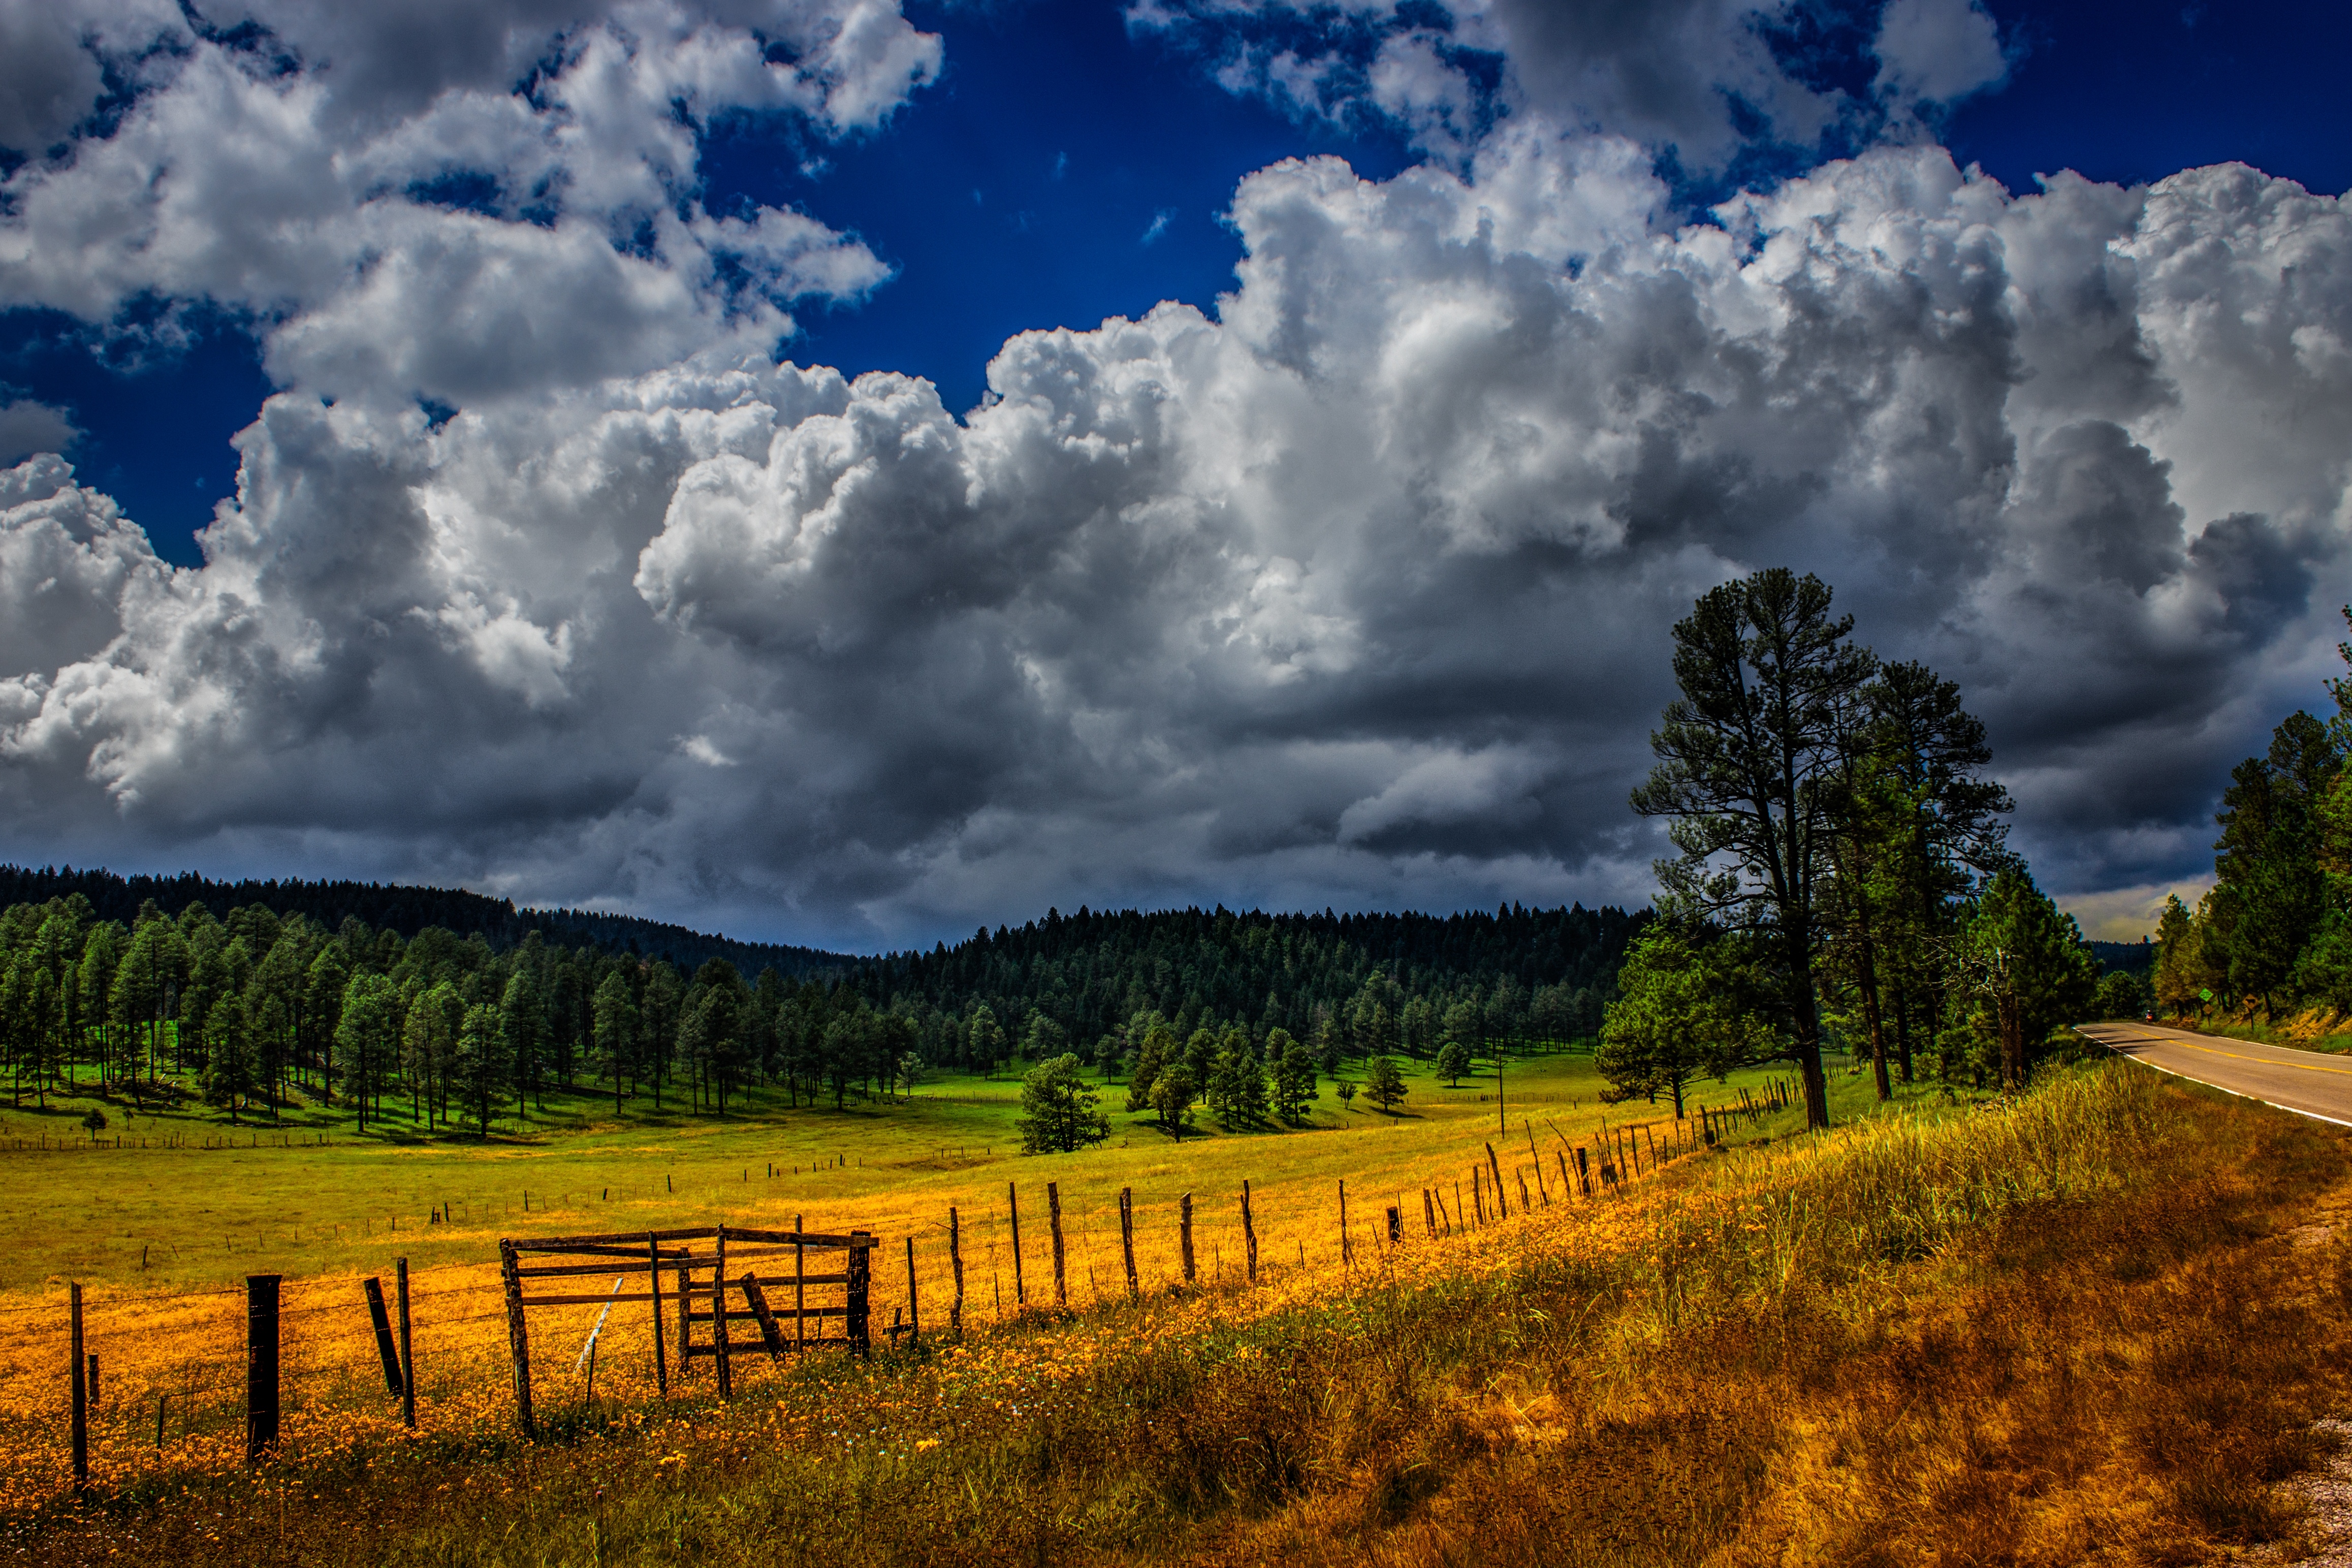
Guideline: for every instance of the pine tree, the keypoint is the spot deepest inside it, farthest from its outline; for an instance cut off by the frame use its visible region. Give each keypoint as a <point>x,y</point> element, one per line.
<point>1383,1084</point>
<point>228,1056</point>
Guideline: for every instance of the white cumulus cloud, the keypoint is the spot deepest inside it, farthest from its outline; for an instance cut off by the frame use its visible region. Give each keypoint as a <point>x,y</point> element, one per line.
<point>1355,588</point>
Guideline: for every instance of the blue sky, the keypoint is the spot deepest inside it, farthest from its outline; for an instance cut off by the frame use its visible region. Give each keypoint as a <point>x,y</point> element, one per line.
<point>564,567</point>
<point>1027,188</point>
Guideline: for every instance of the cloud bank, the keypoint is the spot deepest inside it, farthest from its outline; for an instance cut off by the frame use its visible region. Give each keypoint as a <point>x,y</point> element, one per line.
<point>1353,590</point>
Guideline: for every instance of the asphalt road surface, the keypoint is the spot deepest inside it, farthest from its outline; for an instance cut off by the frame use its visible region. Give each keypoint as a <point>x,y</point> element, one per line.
<point>2310,1082</point>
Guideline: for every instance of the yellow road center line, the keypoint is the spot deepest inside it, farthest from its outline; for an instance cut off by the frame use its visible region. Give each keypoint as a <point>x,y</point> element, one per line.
<point>2235,1056</point>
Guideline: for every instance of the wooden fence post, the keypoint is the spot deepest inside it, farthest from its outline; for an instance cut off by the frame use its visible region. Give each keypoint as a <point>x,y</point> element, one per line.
<point>1184,1233</point>
<point>1502,1209</point>
<point>1537,1154</point>
<point>80,1415</point>
<point>1249,1233</point>
<point>1126,1238</point>
<point>1478,1192</point>
<point>381,1320</point>
<point>1584,1173</point>
<point>1396,1225</point>
<point>1346,1248</point>
<point>1054,1224</point>
<point>1458,1210</point>
<point>861,1343</point>
<point>719,1318</point>
<point>1429,1214</point>
<point>661,1351</point>
<point>407,1356</point>
<point>914,1317</point>
<point>955,1262</point>
<point>799,1284</point>
<point>518,1338</point>
<point>260,1365</point>
<point>685,1310</point>
<point>1012,1206</point>
<point>1522,1177</point>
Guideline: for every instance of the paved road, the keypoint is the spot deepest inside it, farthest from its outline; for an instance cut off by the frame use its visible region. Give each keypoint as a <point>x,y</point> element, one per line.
<point>2312,1083</point>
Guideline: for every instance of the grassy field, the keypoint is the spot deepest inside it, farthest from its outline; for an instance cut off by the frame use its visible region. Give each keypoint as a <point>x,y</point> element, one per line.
<point>160,1236</point>
<point>2090,1325</point>
<point>2093,1324</point>
<point>173,1217</point>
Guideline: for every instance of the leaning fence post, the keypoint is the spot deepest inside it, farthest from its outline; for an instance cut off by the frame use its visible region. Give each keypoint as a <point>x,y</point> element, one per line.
<point>1502,1209</point>
<point>860,1274</point>
<point>1184,1233</point>
<point>381,1320</point>
<point>80,1417</point>
<point>1396,1225</point>
<point>914,1317</point>
<point>1429,1214</point>
<point>260,1365</point>
<point>1054,1224</point>
<point>1012,1207</point>
<point>955,1262</point>
<point>1249,1233</point>
<point>1127,1236</point>
<point>1347,1249</point>
<point>407,1360</point>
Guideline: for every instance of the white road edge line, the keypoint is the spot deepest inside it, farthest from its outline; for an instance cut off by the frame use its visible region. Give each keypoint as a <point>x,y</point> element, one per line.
<point>2290,1110</point>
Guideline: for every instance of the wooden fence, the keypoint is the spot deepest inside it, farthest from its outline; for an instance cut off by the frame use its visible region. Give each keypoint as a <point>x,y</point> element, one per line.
<point>714,1293</point>
<point>707,1280</point>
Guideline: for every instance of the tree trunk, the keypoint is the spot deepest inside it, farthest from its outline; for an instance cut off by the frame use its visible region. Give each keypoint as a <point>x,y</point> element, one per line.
<point>1807,1030</point>
<point>2012,1044</point>
<point>1867,981</point>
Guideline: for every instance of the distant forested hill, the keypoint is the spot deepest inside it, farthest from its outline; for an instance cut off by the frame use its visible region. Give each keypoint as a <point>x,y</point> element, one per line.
<point>387,906</point>
<point>2133,957</point>
<point>1389,980</point>
<point>442,1006</point>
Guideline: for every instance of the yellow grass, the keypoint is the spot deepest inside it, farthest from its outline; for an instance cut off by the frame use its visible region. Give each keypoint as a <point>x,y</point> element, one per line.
<point>162,1237</point>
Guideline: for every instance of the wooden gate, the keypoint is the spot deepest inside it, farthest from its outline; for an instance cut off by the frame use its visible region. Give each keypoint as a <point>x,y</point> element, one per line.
<point>711,1291</point>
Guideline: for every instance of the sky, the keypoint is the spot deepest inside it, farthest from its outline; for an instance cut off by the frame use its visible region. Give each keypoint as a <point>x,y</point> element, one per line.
<point>846,472</point>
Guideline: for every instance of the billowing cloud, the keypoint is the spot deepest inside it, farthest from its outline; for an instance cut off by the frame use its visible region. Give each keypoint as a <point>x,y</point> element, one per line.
<point>1355,589</point>
<point>428,201</point>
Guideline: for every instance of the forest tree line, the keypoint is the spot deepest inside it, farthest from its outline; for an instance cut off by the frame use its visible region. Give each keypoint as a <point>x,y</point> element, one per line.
<point>2273,933</point>
<point>255,1013</point>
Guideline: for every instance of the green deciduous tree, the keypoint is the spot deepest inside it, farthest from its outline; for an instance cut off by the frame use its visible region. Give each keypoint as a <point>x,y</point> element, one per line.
<point>2022,961</point>
<point>1683,1012</point>
<point>1058,1113</point>
<point>1173,1093</point>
